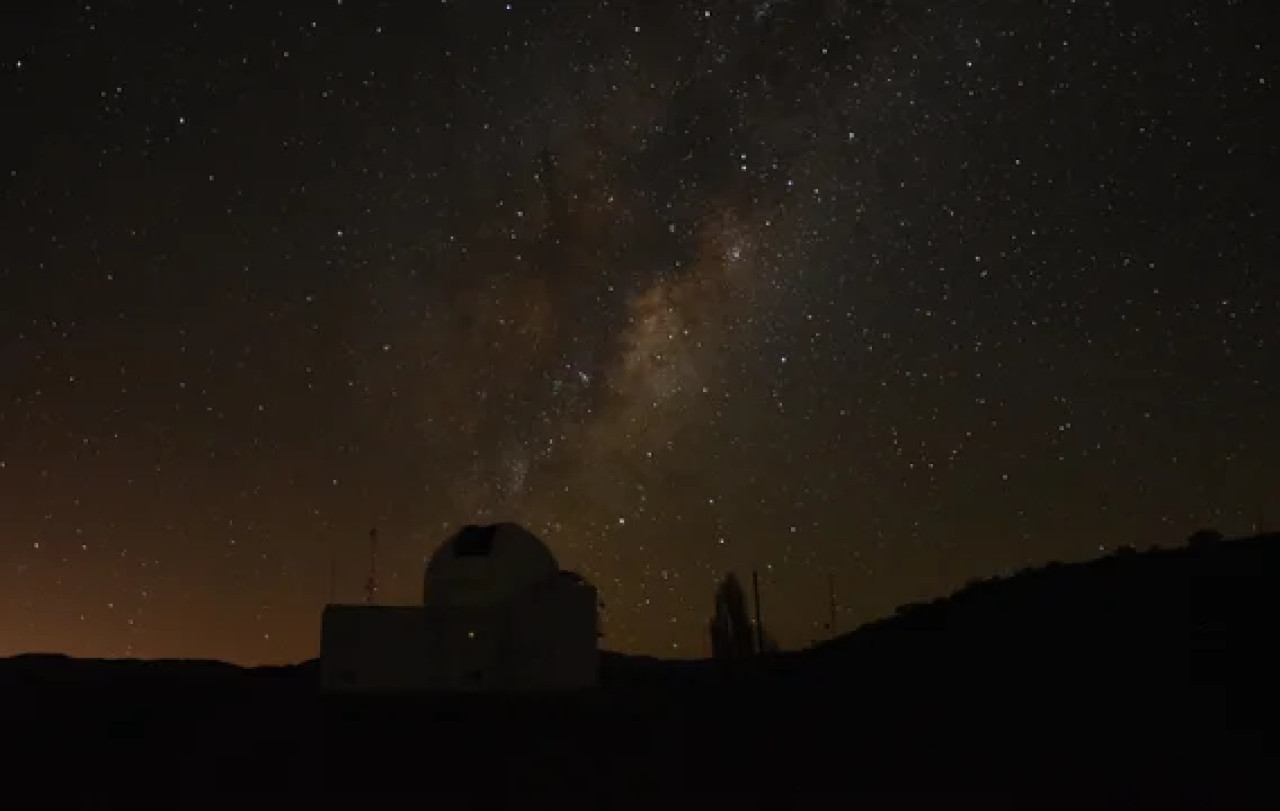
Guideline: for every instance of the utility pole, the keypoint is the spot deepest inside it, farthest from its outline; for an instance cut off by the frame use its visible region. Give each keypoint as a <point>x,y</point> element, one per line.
<point>755,587</point>
<point>831,593</point>
<point>333,577</point>
<point>371,585</point>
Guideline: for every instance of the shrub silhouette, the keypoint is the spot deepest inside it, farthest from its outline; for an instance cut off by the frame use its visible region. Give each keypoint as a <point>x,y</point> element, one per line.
<point>1204,537</point>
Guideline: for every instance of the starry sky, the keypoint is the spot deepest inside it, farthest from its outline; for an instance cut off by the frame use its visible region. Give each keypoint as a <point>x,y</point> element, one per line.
<point>900,293</point>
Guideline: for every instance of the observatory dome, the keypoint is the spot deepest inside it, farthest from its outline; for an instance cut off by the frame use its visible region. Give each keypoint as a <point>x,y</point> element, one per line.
<point>487,565</point>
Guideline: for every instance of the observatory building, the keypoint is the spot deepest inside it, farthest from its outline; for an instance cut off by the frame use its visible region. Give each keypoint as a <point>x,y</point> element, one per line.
<point>497,614</point>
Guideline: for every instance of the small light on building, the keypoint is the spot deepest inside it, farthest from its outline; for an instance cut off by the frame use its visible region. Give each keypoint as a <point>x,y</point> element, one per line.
<point>471,634</point>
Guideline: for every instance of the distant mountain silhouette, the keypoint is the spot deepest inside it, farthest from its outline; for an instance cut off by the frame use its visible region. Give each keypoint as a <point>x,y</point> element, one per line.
<point>50,671</point>
<point>1140,669</point>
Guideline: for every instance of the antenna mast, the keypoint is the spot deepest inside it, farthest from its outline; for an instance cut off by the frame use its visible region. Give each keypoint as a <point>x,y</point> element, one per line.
<point>333,577</point>
<point>371,585</point>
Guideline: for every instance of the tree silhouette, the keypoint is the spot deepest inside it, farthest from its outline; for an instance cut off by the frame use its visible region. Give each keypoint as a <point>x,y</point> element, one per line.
<point>1204,537</point>
<point>732,636</point>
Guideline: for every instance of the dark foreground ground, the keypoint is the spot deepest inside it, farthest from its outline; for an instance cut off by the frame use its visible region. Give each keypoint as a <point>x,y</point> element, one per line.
<point>1144,676</point>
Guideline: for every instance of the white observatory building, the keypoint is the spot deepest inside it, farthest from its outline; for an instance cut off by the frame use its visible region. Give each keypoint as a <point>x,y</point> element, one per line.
<point>497,614</point>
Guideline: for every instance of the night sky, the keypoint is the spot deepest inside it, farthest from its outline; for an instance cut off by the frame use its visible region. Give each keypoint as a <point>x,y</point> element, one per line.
<point>905,293</point>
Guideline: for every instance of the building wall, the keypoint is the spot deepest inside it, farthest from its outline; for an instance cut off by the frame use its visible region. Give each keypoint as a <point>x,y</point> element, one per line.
<point>555,638</point>
<point>464,648</point>
<point>545,640</point>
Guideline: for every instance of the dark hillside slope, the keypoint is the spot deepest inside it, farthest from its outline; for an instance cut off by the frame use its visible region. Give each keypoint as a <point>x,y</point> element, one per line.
<point>1195,615</point>
<point>1167,645</point>
<point>1211,600</point>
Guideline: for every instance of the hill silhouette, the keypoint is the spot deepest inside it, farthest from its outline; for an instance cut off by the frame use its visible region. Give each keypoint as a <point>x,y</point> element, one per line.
<point>1140,671</point>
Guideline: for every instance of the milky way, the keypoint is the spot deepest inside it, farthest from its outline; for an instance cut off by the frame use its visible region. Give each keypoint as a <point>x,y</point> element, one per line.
<point>903,293</point>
